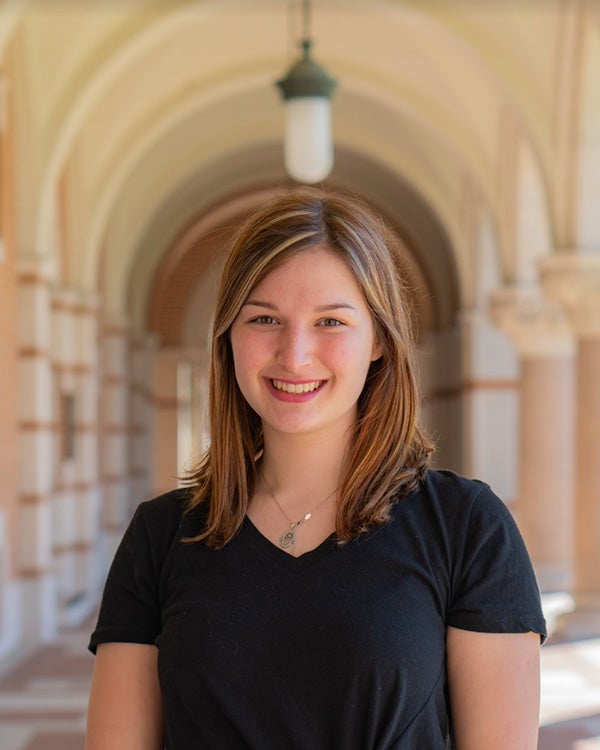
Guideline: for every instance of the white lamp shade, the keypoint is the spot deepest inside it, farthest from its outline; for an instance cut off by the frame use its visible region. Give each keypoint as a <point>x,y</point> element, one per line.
<point>308,150</point>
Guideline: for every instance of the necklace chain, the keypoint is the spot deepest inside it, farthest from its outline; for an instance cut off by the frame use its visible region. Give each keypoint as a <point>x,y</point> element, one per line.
<point>288,538</point>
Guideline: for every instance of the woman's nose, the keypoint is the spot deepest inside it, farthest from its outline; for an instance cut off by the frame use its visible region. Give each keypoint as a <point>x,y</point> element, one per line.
<point>294,350</point>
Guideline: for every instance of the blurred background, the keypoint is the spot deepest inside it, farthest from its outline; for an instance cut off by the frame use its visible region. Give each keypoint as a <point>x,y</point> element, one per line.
<point>134,135</point>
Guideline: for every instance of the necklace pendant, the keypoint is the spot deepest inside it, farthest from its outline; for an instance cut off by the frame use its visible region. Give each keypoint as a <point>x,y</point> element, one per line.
<point>288,539</point>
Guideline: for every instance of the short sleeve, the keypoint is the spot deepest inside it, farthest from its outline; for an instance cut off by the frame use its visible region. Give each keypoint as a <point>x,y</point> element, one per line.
<point>130,610</point>
<point>494,584</point>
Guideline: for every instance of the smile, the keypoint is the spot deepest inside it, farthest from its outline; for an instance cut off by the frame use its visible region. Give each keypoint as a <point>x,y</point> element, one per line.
<point>297,388</point>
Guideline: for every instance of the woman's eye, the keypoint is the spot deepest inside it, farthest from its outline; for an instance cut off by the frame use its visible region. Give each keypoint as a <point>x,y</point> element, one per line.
<point>331,322</point>
<point>264,320</point>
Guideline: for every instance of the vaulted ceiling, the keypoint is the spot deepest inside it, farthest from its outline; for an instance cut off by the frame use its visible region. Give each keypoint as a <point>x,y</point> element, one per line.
<point>136,123</point>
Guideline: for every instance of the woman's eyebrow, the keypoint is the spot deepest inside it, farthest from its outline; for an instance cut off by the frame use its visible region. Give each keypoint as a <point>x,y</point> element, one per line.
<point>335,306</point>
<point>319,308</point>
<point>260,303</point>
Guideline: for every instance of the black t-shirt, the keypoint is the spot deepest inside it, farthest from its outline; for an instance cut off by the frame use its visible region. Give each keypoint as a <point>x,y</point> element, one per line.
<point>342,647</point>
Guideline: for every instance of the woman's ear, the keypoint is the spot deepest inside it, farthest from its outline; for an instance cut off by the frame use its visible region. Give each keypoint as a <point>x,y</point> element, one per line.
<point>377,350</point>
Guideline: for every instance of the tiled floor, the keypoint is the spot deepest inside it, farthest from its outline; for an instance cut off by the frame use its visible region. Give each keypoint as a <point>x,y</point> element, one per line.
<point>570,716</point>
<point>43,702</point>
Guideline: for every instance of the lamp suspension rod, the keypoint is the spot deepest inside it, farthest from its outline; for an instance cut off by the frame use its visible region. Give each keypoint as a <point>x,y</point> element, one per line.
<point>305,19</point>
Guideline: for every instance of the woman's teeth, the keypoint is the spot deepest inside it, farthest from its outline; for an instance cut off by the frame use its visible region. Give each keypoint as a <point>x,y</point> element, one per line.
<point>296,387</point>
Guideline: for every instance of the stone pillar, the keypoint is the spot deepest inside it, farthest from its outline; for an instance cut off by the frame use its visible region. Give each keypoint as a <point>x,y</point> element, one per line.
<point>200,405</point>
<point>64,502</point>
<point>574,282</point>
<point>166,408</point>
<point>490,383</point>
<point>10,623</point>
<point>76,492</point>
<point>544,343</point>
<point>115,431</point>
<point>86,475</point>
<point>37,424</point>
<point>184,426</point>
<point>142,358</point>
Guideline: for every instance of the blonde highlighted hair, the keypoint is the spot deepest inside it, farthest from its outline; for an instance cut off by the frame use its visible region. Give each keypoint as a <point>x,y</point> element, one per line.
<point>388,454</point>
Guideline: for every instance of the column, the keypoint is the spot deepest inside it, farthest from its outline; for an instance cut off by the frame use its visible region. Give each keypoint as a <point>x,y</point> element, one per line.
<point>166,408</point>
<point>37,423</point>
<point>64,495</point>
<point>490,383</point>
<point>86,475</point>
<point>200,403</point>
<point>142,360</point>
<point>115,432</point>
<point>75,503</point>
<point>544,343</point>
<point>10,625</point>
<point>574,281</point>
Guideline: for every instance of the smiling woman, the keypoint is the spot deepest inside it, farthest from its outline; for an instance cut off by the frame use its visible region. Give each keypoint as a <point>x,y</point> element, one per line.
<point>300,353</point>
<point>317,585</point>
<point>302,263</point>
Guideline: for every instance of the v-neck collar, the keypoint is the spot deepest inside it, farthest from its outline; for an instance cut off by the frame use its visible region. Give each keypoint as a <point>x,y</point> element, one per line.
<point>280,556</point>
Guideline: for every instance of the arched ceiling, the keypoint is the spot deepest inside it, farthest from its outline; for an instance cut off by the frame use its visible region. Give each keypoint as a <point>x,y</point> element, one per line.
<point>134,117</point>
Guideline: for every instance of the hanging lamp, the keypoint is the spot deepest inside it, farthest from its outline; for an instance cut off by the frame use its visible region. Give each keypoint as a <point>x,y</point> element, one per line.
<point>306,91</point>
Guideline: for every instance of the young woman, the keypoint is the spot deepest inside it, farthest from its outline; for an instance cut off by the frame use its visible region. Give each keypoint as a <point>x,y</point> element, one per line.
<point>317,586</point>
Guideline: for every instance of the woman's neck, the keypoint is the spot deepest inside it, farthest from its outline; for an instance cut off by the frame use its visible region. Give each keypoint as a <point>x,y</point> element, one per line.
<point>299,464</point>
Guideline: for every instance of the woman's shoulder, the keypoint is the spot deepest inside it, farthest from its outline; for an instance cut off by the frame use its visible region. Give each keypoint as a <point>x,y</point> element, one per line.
<point>454,496</point>
<point>466,514</point>
<point>169,503</point>
<point>451,485</point>
<point>163,514</point>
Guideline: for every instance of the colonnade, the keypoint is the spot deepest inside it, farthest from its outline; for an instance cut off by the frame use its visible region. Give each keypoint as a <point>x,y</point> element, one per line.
<point>85,428</point>
<point>574,282</point>
<point>545,347</point>
<point>555,329</point>
<point>33,553</point>
<point>100,412</point>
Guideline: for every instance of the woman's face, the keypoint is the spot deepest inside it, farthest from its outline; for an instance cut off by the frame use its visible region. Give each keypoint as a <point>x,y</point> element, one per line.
<point>302,345</point>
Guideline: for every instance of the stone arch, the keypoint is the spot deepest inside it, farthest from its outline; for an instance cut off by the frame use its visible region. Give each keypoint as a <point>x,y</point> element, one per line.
<point>361,81</point>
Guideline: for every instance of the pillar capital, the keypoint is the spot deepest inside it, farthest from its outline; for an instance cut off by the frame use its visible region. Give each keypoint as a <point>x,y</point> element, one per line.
<point>537,326</point>
<point>573,281</point>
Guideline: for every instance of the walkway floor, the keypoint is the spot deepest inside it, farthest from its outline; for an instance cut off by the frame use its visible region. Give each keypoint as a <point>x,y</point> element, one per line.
<point>43,701</point>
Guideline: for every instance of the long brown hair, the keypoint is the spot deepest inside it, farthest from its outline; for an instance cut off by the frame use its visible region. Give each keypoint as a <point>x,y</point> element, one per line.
<point>388,454</point>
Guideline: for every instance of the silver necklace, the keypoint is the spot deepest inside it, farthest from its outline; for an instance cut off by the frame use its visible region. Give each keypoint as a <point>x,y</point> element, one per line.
<point>288,538</point>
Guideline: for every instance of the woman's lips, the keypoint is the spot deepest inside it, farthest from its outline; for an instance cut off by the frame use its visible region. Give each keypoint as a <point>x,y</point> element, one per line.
<point>294,391</point>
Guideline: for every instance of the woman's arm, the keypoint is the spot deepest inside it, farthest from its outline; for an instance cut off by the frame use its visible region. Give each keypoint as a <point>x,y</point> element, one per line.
<point>125,706</point>
<point>494,681</point>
